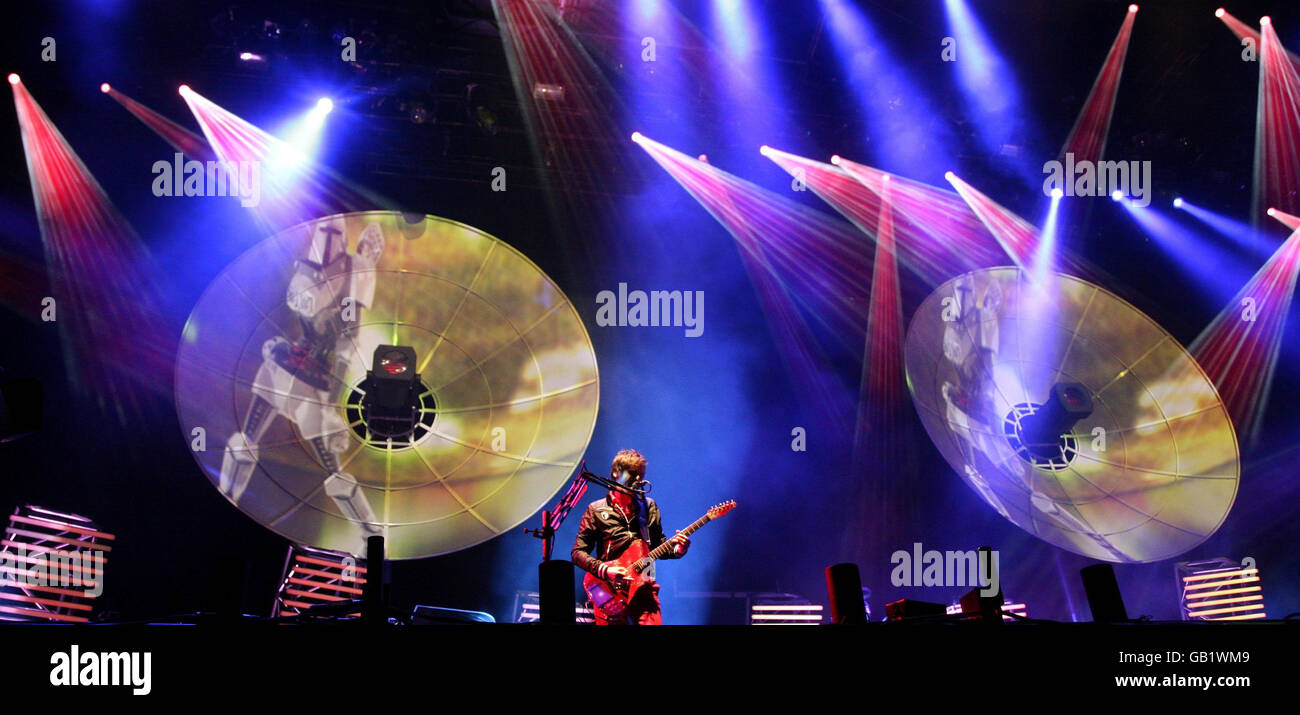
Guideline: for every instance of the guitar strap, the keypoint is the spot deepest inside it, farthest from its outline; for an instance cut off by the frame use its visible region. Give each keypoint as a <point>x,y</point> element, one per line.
<point>643,520</point>
<point>644,516</point>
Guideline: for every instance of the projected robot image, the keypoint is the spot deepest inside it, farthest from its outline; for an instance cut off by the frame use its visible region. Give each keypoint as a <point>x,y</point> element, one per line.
<point>380,373</point>
<point>302,380</point>
<point>1072,414</point>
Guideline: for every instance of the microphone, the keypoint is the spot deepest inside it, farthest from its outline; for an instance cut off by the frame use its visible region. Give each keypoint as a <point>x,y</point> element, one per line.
<point>631,487</point>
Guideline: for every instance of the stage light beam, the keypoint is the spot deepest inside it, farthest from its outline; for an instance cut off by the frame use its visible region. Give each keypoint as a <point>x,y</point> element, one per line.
<point>936,234</point>
<point>1241,233</point>
<point>1239,349</point>
<point>292,188</point>
<point>1277,124</point>
<point>1087,138</point>
<point>95,261</point>
<point>1017,236</point>
<point>1212,266</point>
<point>886,93</point>
<point>1045,254</point>
<point>988,85</point>
<point>805,266</point>
<point>1292,222</point>
<point>544,45</point>
<point>182,139</point>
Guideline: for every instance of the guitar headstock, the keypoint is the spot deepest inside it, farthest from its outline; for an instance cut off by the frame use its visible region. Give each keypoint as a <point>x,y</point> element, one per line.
<point>722,508</point>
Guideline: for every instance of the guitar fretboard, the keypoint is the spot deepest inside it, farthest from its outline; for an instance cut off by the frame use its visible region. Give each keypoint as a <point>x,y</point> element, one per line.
<point>667,547</point>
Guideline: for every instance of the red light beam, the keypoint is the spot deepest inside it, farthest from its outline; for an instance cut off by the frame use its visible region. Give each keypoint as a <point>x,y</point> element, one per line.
<point>937,235</point>
<point>803,265</point>
<point>560,88</point>
<point>1017,236</point>
<point>1244,31</point>
<point>881,388</point>
<point>1239,348</point>
<point>1291,221</point>
<point>1277,128</point>
<point>292,187</point>
<point>1087,139</point>
<point>182,139</point>
<point>105,297</point>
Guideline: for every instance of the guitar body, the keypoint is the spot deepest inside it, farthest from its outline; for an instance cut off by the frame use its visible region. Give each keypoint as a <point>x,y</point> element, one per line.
<point>613,598</point>
<point>636,592</point>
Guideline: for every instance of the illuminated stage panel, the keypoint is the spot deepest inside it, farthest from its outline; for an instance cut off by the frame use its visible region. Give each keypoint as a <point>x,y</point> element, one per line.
<point>983,355</point>
<point>52,566</point>
<point>506,404</point>
<point>1220,589</point>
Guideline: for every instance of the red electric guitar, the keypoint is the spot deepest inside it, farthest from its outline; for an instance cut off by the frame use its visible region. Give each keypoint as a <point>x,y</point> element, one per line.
<point>612,598</point>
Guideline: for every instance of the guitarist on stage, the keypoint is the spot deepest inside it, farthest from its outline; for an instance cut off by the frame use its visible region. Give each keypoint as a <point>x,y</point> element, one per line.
<point>612,524</point>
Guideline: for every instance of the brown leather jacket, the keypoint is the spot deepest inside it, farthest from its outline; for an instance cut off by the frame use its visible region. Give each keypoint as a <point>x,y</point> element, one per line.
<point>603,534</point>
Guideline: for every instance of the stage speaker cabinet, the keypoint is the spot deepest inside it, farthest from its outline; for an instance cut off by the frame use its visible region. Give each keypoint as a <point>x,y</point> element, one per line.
<point>1102,590</point>
<point>988,608</point>
<point>844,585</point>
<point>905,608</point>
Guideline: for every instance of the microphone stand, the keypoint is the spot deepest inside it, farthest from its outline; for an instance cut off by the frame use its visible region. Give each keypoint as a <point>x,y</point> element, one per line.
<point>555,592</point>
<point>554,517</point>
<point>610,484</point>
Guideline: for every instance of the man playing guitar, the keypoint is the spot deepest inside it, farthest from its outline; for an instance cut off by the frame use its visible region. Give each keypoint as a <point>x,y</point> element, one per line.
<point>611,525</point>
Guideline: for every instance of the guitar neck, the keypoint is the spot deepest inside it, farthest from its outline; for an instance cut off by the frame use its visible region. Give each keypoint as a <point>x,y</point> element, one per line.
<point>667,547</point>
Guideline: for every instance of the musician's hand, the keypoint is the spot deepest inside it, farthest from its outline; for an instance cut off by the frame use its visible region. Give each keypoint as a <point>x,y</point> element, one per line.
<point>614,573</point>
<point>681,542</point>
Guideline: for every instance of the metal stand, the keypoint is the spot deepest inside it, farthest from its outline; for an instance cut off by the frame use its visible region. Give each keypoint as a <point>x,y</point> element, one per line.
<point>553,518</point>
<point>374,597</point>
<point>555,593</point>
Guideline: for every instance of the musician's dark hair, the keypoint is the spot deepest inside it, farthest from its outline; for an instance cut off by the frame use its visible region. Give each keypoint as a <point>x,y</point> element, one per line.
<point>629,459</point>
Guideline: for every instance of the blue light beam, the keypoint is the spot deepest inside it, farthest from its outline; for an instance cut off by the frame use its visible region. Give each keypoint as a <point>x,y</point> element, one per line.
<point>1217,271</point>
<point>986,81</point>
<point>1239,232</point>
<point>889,100</point>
